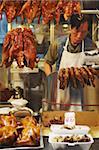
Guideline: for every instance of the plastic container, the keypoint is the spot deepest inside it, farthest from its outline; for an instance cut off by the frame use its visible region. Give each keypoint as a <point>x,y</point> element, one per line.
<point>60,129</point>
<point>68,145</point>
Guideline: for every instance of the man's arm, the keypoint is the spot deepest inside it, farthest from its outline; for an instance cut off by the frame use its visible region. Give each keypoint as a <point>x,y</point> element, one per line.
<point>47,68</point>
<point>50,58</point>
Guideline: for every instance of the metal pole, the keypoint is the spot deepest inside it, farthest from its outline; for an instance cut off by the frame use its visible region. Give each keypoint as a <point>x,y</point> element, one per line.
<point>9,71</point>
<point>51,32</point>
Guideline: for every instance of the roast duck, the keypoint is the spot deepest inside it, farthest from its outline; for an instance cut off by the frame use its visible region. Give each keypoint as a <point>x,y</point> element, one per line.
<point>31,9</point>
<point>20,45</point>
<point>74,76</point>
<point>25,132</point>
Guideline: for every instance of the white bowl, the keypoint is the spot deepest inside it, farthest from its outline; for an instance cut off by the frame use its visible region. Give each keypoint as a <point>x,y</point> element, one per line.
<point>19,103</point>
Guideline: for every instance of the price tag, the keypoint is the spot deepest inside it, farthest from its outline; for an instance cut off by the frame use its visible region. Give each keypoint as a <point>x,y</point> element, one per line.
<point>69,119</point>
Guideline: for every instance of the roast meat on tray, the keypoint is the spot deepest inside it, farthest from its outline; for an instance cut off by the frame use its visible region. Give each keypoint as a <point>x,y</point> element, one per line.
<point>23,132</point>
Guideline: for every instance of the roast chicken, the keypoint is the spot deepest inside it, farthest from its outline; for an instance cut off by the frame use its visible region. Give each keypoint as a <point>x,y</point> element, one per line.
<point>74,76</point>
<point>20,45</point>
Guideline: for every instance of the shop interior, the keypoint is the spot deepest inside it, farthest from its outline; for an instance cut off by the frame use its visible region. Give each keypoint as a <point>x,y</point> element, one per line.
<point>25,90</point>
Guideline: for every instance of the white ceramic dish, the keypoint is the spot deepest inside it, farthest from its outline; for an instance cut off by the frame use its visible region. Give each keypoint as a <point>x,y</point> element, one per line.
<point>19,103</point>
<point>67,145</point>
<point>4,110</point>
<point>79,129</point>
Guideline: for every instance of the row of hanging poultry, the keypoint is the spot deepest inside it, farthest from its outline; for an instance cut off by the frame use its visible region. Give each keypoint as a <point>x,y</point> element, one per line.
<point>30,9</point>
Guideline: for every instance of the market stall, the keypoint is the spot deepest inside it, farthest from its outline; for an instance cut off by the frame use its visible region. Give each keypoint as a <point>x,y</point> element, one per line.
<point>31,114</point>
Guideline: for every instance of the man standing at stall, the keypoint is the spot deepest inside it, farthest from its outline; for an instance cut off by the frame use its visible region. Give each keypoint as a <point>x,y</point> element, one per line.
<point>69,51</point>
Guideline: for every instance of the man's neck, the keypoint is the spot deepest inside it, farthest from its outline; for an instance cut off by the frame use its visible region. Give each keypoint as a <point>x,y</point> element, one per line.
<point>73,44</point>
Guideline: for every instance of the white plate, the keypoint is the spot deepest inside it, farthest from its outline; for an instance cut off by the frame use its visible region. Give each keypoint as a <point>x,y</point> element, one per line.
<point>79,129</point>
<point>4,110</point>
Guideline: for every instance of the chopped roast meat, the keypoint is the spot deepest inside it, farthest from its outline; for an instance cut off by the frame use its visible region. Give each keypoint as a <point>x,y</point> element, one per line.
<point>19,44</point>
<point>8,135</point>
<point>24,132</point>
<point>30,134</point>
<point>75,75</point>
<point>9,120</point>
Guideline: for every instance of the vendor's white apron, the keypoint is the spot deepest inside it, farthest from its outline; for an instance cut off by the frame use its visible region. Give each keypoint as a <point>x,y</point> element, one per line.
<point>69,60</point>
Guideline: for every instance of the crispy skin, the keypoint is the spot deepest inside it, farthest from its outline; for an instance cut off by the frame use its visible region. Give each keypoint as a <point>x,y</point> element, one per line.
<point>70,8</point>
<point>30,134</point>
<point>72,76</point>
<point>19,45</point>
<point>79,76</point>
<point>64,78</point>
<point>30,10</point>
<point>90,75</point>
<point>48,10</point>
<point>95,72</point>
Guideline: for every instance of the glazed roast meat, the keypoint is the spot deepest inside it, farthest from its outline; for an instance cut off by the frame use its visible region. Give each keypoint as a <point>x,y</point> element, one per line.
<point>48,10</point>
<point>20,132</point>
<point>30,134</point>
<point>74,76</point>
<point>8,120</point>
<point>20,45</point>
<point>31,9</point>
<point>26,9</point>
<point>29,45</point>
<point>11,8</point>
<point>70,8</point>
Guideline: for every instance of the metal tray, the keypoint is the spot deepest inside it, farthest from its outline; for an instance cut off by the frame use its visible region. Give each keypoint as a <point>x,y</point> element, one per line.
<point>41,146</point>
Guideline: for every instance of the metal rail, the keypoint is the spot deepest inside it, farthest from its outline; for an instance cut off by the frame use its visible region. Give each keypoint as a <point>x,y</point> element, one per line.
<point>90,12</point>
